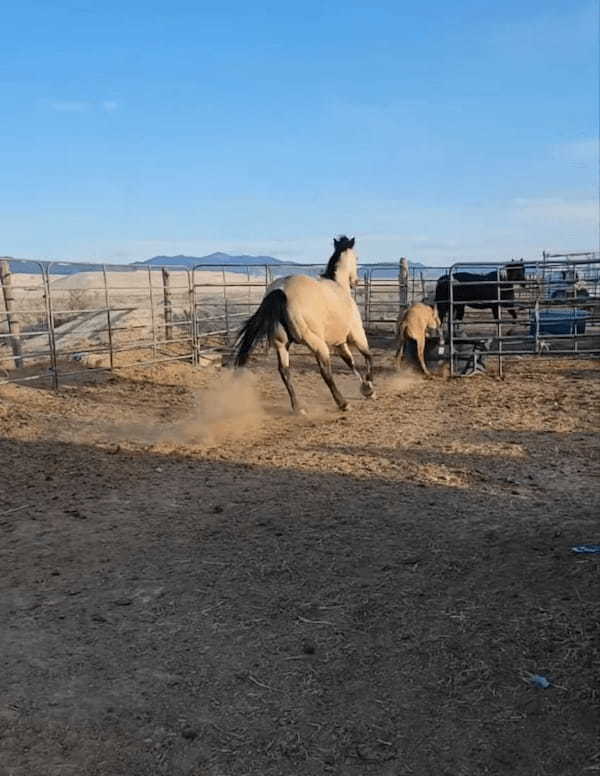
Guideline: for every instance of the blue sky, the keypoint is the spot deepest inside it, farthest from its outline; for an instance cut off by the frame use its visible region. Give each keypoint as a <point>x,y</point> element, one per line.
<point>439,131</point>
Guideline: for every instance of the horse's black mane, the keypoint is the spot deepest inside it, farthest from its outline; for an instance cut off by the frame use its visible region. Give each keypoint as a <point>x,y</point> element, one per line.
<point>340,245</point>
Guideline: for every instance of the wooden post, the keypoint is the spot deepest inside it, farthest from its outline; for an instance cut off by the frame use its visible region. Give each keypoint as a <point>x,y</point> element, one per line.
<point>403,282</point>
<point>168,307</point>
<point>14,326</point>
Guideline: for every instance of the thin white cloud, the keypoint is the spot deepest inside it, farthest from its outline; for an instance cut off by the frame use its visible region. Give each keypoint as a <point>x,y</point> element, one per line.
<point>109,106</point>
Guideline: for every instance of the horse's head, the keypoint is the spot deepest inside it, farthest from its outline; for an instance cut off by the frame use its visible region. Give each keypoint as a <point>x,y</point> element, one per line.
<point>515,271</point>
<point>343,265</point>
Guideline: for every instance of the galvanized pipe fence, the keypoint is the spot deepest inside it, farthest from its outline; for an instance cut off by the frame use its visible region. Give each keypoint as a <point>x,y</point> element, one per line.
<point>554,310</point>
<point>61,320</point>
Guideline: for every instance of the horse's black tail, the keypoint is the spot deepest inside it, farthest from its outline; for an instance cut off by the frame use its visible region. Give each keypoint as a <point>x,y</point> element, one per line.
<point>272,311</point>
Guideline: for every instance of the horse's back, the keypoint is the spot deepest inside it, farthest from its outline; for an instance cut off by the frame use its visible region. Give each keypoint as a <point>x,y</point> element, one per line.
<point>320,305</point>
<point>470,286</point>
<point>417,318</point>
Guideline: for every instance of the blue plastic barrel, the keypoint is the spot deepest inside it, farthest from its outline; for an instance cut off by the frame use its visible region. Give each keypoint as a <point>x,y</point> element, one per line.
<point>569,321</point>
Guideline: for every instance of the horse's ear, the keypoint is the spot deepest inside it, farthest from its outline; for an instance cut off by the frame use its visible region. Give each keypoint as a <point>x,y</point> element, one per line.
<point>336,243</point>
<point>351,242</point>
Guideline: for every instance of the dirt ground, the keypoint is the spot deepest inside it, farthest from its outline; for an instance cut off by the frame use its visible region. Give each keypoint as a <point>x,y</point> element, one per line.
<point>195,582</point>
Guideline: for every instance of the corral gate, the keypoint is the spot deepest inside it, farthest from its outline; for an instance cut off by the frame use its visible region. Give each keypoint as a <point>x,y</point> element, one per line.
<point>63,319</point>
<point>556,310</point>
<point>73,317</point>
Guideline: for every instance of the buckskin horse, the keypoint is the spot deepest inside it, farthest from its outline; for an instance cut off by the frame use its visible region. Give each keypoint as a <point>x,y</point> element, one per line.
<point>317,312</point>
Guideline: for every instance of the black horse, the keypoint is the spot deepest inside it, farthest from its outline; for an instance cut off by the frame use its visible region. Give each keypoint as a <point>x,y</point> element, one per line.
<point>479,291</point>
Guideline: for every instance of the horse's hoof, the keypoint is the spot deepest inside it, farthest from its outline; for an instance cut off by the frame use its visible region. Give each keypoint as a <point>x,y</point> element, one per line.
<point>367,390</point>
<point>344,407</point>
<point>300,411</point>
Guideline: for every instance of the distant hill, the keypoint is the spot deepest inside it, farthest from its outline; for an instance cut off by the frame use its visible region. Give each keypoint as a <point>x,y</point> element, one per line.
<point>386,269</point>
<point>217,259</point>
<point>383,270</point>
<point>60,267</point>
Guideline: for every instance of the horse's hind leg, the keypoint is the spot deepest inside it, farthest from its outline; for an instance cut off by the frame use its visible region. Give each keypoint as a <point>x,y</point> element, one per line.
<point>321,351</point>
<point>421,355</point>
<point>400,348</point>
<point>283,359</point>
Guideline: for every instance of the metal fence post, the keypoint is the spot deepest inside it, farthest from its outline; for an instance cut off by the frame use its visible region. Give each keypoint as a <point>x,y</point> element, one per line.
<point>190,279</point>
<point>451,320</point>
<point>50,322</point>
<point>152,313</point>
<point>168,308</point>
<point>367,299</point>
<point>499,283</point>
<point>108,318</point>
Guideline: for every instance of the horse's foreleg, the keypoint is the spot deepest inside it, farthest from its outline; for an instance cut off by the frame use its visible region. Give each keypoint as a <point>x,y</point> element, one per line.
<point>348,359</point>
<point>366,388</point>
<point>358,338</point>
<point>366,385</point>
<point>283,360</point>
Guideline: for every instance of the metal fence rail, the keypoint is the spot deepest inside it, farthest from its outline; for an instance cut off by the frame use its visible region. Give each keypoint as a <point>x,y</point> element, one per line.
<point>554,310</point>
<point>62,319</point>
<point>73,318</point>
<point>24,320</point>
<point>385,291</point>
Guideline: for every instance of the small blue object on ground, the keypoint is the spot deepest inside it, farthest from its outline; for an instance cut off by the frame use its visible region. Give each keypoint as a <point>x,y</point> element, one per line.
<point>586,549</point>
<point>539,681</point>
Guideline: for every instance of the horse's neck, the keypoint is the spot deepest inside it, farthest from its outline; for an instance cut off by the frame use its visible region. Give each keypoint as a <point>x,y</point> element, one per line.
<point>342,274</point>
<point>342,278</point>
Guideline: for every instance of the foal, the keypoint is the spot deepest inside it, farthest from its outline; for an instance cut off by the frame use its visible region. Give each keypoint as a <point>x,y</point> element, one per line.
<point>413,324</point>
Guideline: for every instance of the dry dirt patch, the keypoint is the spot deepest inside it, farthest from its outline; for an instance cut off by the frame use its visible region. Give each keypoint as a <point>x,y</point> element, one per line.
<point>196,582</point>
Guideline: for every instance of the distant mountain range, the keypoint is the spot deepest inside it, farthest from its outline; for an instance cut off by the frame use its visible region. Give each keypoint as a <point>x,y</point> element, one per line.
<point>219,259</point>
<point>216,259</point>
<point>245,263</point>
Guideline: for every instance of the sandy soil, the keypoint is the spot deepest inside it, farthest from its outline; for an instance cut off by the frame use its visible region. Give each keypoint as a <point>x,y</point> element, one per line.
<point>195,582</point>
